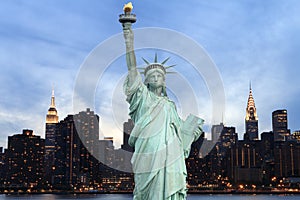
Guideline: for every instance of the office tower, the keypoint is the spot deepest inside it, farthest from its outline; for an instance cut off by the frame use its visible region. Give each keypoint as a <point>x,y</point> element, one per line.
<point>228,137</point>
<point>216,131</point>
<point>127,128</point>
<point>217,167</point>
<point>266,150</point>
<point>194,165</point>
<point>247,162</point>
<point>106,152</point>
<point>226,144</point>
<point>2,166</point>
<point>24,160</point>
<point>280,125</point>
<point>77,140</point>
<point>296,135</point>
<point>51,122</point>
<point>286,159</point>
<point>251,119</point>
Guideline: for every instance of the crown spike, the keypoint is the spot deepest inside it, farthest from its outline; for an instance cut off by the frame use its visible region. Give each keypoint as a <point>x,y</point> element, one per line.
<point>156,65</point>
<point>145,61</point>
<point>155,58</point>
<point>163,62</point>
<point>167,67</point>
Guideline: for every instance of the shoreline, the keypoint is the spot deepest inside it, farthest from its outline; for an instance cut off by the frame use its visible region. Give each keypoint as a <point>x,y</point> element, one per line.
<point>204,192</point>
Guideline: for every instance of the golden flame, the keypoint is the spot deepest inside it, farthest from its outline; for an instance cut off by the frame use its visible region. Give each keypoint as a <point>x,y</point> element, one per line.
<point>128,7</point>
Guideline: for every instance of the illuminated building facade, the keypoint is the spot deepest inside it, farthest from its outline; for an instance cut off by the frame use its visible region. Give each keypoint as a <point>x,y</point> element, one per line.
<point>280,125</point>
<point>77,140</point>
<point>296,135</point>
<point>24,160</point>
<point>196,172</point>
<point>251,119</point>
<point>51,122</point>
<point>221,162</point>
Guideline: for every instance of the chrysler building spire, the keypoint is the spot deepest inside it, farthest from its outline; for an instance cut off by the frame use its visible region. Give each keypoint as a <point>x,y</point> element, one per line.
<point>251,119</point>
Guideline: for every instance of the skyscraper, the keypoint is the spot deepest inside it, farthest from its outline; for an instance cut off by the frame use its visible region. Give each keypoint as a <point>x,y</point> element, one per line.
<point>51,122</point>
<point>127,128</point>
<point>216,131</point>
<point>251,119</point>
<point>296,135</point>
<point>280,125</point>
<point>24,160</point>
<point>77,140</point>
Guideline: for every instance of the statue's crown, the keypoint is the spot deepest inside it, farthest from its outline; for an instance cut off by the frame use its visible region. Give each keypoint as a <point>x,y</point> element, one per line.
<point>156,65</point>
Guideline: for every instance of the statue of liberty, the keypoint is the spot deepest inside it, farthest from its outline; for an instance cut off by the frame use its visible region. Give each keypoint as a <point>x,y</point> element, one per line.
<point>161,139</point>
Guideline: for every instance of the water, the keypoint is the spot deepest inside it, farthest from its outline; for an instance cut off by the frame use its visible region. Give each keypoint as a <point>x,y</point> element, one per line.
<point>129,197</point>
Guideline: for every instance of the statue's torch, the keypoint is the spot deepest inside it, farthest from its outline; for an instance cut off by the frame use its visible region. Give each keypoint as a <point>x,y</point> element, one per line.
<point>127,17</point>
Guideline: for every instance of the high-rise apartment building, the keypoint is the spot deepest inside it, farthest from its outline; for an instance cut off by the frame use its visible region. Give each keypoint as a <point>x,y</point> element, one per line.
<point>77,140</point>
<point>280,125</point>
<point>24,160</point>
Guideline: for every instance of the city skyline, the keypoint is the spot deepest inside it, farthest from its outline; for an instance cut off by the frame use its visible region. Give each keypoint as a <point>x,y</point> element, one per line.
<point>55,117</point>
<point>249,41</point>
<point>78,162</point>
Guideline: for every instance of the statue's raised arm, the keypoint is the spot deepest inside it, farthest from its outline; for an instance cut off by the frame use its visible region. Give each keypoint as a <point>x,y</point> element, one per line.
<point>127,19</point>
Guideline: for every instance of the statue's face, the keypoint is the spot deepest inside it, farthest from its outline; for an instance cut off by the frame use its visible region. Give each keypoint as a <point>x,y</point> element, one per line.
<point>156,79</point>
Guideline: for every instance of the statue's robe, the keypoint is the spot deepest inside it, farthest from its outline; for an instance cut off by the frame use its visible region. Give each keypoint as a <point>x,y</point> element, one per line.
<point>161,141</point>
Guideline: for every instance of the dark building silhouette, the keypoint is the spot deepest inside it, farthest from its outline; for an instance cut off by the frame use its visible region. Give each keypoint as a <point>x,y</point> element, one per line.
<point>193,164</point>
<point>24,161</point>
<point>127,128</point>
<point>77,140</point>
<point>251,119</point>
<point>280,125</point>
<point>213,170</point>
<point>106,152</point>
<point>51,122</point>
<point>266,150</point>
<point>247,162</point>
<point>2,167</point>
<point>220,155</point>
<point>287,159</point>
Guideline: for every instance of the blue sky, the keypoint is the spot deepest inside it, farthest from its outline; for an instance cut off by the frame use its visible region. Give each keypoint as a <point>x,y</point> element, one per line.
<point>45,42</point>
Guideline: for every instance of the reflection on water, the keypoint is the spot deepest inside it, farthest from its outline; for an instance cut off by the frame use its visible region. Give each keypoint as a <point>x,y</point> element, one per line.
<point>243,197</point>
<point>66,197</point>
<point>129,197</point>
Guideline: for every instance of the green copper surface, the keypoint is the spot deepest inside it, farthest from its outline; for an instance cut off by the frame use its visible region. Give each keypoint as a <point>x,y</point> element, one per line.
<point>161,139</point>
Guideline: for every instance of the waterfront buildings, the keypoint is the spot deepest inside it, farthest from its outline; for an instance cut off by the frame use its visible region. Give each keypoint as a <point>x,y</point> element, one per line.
<point>280,125</point>
<point>24,161</point>
<point>73,158</point>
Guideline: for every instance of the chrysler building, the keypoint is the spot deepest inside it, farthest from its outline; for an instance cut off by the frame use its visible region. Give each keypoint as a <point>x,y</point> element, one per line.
<point>251,119</point>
